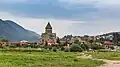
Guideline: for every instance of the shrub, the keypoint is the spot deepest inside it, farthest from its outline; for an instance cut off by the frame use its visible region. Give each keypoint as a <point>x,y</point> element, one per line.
<point>67,50</point>
<point>75,48</point>
<point>62,48</point>
<point>49,47</point>
<point>96,47</point>
<point>58,46</point>
<point>45,47</point>
<point>76,60</point>
<point>54,49</point>
<point>112,48</point>
<point>41,46</point>
<point>103,50</point>
<point>12,46</point>
<point>84,46</point>
<point>30,45</point>
<point>43,50</point>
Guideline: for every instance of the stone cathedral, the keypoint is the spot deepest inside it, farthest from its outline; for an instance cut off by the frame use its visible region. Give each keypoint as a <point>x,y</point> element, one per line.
<point>48,36</point>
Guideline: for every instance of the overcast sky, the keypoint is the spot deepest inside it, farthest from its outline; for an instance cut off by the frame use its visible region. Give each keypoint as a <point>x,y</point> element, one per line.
<point>77,17</point>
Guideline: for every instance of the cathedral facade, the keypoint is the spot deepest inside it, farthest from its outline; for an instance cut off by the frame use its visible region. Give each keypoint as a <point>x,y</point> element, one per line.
<point>48,36</point>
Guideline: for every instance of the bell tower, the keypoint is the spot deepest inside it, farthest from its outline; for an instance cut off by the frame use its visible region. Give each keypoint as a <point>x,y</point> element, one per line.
<point>48,28</point>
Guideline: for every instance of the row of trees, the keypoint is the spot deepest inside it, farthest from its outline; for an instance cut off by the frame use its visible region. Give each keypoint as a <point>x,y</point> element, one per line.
<point>3,40</point>
<point>76,46</point>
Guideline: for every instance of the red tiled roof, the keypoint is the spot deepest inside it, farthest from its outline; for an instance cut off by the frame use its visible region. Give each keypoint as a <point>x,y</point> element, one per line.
<point>52,42</point>
<point>3,42</point>
<point>108,43</point>
<point>14,42</point>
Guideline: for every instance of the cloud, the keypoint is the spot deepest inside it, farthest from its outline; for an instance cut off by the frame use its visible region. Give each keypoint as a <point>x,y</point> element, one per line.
<point>61,27</point>
<point>64,27</point>
<point>12,1</point>
<point>79,1</point>
<point>107,2</point>
<point>95,28</point>
<point>76,17</point>
<point>65,9</point>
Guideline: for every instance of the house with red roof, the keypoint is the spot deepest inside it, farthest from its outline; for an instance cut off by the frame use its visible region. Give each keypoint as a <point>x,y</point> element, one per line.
<point>3,43</point>
<point>108,44</point>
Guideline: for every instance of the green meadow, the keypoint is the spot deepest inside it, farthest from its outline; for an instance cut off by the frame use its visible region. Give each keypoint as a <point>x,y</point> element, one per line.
<point>105,55</point>
<point>45,59</point>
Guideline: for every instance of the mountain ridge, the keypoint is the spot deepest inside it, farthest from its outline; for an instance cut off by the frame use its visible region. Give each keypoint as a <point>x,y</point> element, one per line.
<point>14,32</point>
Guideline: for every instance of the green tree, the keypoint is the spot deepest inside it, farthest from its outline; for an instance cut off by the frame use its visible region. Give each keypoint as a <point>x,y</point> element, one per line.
<point>96,46</point>
<point>84,46</point>
<point>75,48</point>
<point>3,40</point>
<point>76,41</point>
<point>12,46</point>
<point>58,40</point>
<point>91,41</point>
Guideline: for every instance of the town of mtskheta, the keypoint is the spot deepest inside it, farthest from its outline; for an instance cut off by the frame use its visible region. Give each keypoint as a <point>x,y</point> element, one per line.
<point>59,33</point>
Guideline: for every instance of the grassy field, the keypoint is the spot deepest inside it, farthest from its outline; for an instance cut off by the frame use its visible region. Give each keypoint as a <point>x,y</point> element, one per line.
<point>105,55</point>
<point>45,59</point>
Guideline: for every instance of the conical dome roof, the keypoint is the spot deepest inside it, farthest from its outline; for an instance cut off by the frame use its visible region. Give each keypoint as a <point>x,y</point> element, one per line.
<point>48,26</point>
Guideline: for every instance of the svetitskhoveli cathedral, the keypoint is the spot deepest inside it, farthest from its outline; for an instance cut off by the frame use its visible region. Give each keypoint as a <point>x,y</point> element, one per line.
<point>48,36</point>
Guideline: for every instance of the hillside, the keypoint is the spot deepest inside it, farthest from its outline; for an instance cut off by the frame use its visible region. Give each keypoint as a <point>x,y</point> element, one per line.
<point>114,35</point>
<point>14,32</point>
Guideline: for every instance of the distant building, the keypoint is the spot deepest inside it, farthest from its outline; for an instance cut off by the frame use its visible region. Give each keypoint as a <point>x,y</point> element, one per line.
<point>108,44</point>
<point>23,41</point>
<point>48,36</point>
<point>3,43</point>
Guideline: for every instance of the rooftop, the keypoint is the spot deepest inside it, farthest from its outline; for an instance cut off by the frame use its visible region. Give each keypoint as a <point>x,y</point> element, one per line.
<point>48,26</point>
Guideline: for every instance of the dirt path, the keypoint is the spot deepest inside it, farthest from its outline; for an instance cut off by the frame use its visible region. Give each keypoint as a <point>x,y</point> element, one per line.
<point>109,63</point>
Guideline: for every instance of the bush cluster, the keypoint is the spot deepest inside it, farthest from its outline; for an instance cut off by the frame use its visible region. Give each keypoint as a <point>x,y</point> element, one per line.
<point>75,48</point>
